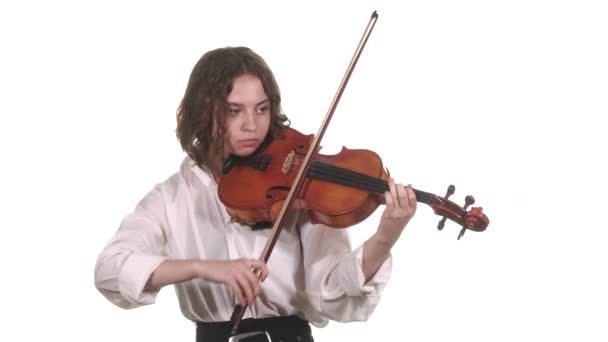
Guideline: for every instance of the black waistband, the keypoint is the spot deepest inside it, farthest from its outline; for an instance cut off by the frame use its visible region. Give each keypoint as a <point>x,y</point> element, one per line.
<point>283,328</point>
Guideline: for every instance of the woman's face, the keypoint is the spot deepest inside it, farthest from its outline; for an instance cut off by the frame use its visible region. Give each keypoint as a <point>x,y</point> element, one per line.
<point>247,120</point>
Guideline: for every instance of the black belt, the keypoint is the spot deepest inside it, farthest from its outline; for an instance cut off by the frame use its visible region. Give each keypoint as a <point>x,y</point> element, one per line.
<point>280,329</point>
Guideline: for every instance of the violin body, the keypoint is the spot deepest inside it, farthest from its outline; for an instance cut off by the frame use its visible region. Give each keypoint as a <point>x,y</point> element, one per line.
<point>255,194</point>
<point>338,190</point>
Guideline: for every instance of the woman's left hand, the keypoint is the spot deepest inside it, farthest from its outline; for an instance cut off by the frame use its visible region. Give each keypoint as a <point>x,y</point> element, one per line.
<point>400,208</point>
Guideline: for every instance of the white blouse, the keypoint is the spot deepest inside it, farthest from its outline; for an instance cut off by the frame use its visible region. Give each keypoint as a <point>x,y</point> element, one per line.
<point>312,271</point>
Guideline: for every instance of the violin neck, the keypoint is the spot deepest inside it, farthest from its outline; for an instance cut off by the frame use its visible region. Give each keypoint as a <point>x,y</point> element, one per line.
<point>330,173</point>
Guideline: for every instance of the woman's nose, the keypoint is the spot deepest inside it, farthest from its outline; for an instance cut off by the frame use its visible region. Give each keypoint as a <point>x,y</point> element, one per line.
<point>248,122</point>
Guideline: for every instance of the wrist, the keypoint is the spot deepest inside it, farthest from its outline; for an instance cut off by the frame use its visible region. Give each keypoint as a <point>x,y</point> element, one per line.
<point>382,241</point>
<point>197,269</point>
<point>384,238</point>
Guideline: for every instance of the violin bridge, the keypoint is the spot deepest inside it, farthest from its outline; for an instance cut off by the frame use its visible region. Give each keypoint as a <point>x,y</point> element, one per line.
<point>288,163</point>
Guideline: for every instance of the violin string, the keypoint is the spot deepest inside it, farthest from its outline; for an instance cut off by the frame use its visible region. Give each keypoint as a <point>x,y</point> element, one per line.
<point>349,177</point>
<point>335,174</point>
<point>358,180</point>
<point>344,176</point>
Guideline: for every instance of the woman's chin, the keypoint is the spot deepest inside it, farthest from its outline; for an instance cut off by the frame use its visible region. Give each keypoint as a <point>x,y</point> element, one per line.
<point>244,151</point>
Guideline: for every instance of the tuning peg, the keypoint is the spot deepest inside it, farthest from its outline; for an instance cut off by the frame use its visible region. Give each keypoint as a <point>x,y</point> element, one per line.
<point>468,201</point>
<point>464,229</point>
<point>450,191</point>
<point>441,223</point>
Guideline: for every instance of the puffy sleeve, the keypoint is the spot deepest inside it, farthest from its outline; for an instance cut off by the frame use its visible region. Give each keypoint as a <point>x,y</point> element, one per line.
<point>135,251</point>
<point>335,283</point>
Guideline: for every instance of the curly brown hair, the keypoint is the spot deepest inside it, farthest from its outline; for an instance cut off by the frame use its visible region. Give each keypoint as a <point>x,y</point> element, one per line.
<point>209,85</point>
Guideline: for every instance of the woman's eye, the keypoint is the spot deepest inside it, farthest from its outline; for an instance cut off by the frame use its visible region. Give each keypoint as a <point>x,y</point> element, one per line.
<point>233,111</point>
<point>263,110</point>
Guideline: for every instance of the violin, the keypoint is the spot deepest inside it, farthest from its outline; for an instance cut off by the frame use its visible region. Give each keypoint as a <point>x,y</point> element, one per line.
<point>288,173</point>
<point>338,191</point>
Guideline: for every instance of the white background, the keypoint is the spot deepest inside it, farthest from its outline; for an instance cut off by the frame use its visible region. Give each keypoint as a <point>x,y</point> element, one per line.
<point>504,99</point>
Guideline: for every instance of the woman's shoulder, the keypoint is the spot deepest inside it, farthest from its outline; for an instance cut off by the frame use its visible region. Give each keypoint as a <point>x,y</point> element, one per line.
<point>191,172</point>
<point>188,179</point>
<point>189,175</point>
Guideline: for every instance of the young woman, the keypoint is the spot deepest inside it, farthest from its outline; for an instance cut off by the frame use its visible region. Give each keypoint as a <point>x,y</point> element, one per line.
<point>180,233</point>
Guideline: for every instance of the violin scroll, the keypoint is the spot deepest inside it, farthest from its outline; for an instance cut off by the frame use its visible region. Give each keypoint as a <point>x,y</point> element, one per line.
<point>474,219</point>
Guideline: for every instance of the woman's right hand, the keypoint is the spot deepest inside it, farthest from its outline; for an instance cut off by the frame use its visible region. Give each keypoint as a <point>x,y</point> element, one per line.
<point>240,275</point>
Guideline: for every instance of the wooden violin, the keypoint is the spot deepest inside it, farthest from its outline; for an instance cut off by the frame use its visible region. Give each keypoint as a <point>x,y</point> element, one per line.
<point>287,173</point>
<point>339,190</point>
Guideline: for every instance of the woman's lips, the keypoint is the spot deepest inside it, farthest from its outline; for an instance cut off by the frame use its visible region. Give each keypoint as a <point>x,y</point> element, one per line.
<point>248,142</point>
